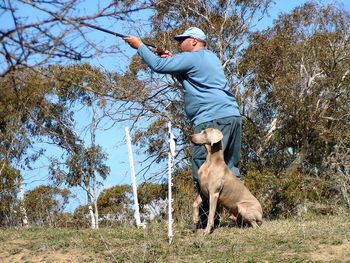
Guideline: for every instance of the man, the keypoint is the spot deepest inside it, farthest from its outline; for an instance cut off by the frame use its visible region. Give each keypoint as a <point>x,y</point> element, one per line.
<point>207,97</point>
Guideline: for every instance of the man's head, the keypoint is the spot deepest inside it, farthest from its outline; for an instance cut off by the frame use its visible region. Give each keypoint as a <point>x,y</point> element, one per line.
<point>191,40</point>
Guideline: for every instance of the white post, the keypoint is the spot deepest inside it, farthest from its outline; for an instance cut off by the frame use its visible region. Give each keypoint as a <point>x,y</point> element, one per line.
<point>133,178</point>
<point>171,156</point>
<point>22,208</point>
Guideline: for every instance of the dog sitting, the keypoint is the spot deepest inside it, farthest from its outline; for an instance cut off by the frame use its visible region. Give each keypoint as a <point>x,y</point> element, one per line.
<point>220,185</point>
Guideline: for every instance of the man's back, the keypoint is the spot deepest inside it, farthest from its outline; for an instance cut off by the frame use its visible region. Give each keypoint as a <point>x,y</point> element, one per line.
<point>206,93</point>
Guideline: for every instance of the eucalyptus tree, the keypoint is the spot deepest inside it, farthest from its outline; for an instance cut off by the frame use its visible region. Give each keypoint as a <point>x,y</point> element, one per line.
<point>114,204</point>
<point>10,215</point>
<point>298,78</point>
<point>83,160</point>
<point>297,95</point>
<point>152,200</point>
<point>38,106</point>
<point>45,203</point>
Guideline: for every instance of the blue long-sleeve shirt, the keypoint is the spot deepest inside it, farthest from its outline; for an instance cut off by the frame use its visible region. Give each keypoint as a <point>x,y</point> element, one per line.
<point>206,93</point>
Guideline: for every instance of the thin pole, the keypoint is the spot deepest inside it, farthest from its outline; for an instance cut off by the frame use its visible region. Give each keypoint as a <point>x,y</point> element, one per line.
<point>133,179</point>
<point>171,156</point>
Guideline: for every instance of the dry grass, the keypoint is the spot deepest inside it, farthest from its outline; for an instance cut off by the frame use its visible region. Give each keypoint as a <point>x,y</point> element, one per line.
<point>316,239</point>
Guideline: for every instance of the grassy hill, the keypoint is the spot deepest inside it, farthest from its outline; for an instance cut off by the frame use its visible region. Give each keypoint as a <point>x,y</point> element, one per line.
<point>307,239</point>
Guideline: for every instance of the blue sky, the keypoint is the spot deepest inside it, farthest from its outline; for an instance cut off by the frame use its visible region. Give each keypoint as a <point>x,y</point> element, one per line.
<point>113,140</point>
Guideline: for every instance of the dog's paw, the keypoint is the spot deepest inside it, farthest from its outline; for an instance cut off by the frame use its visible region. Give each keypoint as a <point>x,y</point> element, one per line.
<point>204,232</point>
<point>201,232</point>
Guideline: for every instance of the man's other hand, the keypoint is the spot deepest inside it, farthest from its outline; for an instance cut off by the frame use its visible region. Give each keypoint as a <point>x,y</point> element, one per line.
<point>134,42</point>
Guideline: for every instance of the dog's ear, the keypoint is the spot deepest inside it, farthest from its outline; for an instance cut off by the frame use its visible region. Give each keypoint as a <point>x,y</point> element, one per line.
<point>216,136</point>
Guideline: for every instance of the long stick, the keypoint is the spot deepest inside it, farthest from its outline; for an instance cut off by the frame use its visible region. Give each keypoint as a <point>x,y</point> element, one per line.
<point>158,50</point>
<point>102,29</point>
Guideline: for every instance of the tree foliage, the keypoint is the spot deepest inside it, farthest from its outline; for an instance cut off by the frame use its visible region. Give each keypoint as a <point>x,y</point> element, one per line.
<point>39,107</point>
<point>152,200</point>
<point>297,87</point>
<point>297,97</point>
<point>9,204</point>
<point>45,203</point>
<point>115,200</point>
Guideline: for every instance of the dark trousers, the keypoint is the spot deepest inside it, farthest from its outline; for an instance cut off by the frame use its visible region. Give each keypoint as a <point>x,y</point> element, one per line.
<point>231,128</point>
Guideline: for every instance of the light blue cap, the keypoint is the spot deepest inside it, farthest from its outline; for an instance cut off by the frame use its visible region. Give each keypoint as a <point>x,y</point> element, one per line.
<point>193,32</point>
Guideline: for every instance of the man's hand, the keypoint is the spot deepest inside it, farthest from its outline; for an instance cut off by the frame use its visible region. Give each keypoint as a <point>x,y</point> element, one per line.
<point>166,54</point>
<point>134,42</point>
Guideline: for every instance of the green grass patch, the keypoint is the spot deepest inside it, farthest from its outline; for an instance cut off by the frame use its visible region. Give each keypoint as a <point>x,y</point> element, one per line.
<point>292,240</point>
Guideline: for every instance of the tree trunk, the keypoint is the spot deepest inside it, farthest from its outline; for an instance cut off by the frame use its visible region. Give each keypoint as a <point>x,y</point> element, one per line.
<point>95,202</point>
<point>89,201</point>
<point>22,208</point>
<point>92,216</point>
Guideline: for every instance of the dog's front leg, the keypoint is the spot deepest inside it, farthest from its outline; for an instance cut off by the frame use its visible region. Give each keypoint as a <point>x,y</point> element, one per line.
<point>213,201</point>
<point>195,209</point>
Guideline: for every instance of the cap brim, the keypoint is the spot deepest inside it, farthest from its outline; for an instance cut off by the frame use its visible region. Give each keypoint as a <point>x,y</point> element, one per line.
<point>180,37</point>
